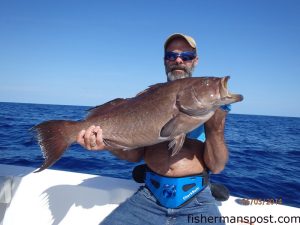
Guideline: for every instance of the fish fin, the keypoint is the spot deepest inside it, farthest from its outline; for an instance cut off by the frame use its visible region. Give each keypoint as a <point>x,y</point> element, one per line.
<point>106,107</point>
<point>182,123</point>
<point>149,89</point>
<point>54,138</point>
<point>187,103</point>
<point>176,143</point>
<point>168,129</point>
<point>110,144</point>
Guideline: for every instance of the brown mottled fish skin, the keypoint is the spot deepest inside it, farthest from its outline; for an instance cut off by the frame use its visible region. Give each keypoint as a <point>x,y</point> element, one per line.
<point>163,112</point>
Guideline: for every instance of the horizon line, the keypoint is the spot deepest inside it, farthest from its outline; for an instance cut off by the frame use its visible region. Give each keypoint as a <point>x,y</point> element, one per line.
<point>34,103</point>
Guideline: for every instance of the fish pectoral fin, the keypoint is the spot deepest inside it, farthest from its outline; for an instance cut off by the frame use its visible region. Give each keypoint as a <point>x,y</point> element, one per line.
<point>182,123</point>
<point>168,129</point>
<point>175,126</point>
<point>176,144</point>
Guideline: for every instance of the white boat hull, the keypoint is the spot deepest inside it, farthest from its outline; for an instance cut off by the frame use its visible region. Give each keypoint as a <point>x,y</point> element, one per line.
<point>57,197</point>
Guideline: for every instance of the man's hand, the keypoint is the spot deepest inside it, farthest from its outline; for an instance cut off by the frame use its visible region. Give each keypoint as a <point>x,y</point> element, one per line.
<point>91,138</point>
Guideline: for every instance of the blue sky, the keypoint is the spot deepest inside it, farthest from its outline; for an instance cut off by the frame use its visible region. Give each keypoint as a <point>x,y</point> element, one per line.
<point>88,52</point>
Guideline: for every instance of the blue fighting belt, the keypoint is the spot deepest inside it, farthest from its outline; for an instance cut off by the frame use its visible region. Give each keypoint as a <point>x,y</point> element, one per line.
<point>172,192</point>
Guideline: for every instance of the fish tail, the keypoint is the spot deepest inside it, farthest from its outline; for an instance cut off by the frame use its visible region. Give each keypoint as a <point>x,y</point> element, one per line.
<point>54,137</point>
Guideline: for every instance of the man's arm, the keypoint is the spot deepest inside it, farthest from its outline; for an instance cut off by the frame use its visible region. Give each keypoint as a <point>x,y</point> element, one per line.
<point>92,139</point>
<point>215,150</point>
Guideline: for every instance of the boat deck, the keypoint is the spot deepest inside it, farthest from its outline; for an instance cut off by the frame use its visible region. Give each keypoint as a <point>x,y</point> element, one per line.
<point>58,197</point>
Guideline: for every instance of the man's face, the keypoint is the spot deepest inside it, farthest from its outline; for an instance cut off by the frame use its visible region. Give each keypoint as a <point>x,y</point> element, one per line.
<point>178,68</point>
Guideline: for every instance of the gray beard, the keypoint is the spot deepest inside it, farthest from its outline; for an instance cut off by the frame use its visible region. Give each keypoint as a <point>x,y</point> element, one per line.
<point>173,76</point>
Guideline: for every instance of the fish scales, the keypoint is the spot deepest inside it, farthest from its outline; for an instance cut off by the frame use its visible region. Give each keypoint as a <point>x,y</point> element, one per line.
<point>163,112</point>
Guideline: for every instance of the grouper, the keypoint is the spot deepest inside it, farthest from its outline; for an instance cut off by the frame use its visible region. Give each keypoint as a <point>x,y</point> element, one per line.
<point>162,112</point>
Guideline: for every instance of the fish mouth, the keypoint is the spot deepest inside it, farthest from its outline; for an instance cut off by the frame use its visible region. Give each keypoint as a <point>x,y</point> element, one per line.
<point>226,96</point>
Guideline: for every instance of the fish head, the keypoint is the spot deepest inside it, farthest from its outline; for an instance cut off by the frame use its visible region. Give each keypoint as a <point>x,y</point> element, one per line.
<point>212,92</point>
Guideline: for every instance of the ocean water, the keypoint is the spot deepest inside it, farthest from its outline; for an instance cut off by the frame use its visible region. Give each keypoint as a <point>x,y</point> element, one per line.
<point>264,159</point>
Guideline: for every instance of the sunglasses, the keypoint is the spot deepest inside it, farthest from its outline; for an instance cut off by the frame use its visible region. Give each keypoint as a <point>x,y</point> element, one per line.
<point>185,56</point>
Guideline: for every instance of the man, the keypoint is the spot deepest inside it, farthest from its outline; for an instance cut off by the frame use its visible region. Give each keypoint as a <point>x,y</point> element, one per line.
<point>161,200</point>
